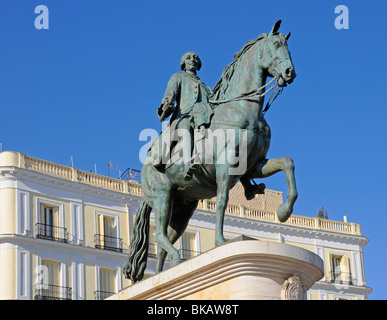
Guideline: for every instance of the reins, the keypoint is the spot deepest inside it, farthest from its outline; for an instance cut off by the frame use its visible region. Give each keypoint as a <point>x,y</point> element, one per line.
<point>254,95</point>
<point>271,99</point>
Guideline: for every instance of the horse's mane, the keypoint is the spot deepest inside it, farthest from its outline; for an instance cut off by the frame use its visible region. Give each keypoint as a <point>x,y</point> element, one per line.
<point>222,85</point>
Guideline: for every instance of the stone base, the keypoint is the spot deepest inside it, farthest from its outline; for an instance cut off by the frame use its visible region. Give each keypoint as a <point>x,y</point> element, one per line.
<point>248,270</point>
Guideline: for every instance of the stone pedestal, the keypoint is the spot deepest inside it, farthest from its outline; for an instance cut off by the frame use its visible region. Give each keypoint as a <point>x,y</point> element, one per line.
<point>252,269</point>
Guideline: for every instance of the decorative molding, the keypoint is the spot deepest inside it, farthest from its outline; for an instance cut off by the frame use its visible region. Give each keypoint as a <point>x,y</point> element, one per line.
<point>77,225</point>
<point>292,289</point>
<point>23,278</point>
<point>23,213</point>
<point>78,280</point>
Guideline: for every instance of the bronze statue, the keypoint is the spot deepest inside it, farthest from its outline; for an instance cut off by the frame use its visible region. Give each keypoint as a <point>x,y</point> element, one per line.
<point>237,121</point>
<point>192,111</point>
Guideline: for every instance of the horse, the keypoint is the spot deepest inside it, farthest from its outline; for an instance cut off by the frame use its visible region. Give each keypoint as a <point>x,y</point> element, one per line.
<point>175,199</point>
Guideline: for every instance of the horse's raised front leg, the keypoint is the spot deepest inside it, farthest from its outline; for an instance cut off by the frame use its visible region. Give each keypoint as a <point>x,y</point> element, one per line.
<point>268,167</point>
<point>223,180</point>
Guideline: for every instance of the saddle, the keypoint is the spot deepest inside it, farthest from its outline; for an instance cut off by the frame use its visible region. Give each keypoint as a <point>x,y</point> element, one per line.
<point>165,150</point>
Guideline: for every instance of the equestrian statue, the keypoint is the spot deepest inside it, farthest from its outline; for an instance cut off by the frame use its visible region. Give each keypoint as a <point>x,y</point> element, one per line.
<point>213,139</point>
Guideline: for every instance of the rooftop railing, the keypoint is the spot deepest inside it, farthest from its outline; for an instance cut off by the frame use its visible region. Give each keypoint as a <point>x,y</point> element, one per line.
<point>294,220</point>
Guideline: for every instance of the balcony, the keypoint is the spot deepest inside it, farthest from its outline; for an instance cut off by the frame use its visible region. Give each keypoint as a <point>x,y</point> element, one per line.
<point>108,243</point>
<point>101,295</point>
<point>52,292</point>
<point>341,278</point>
<point>186,254</point>
<point>50,232</point>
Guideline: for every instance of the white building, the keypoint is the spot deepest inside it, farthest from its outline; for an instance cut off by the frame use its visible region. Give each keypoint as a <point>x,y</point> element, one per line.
<point>64,233</point>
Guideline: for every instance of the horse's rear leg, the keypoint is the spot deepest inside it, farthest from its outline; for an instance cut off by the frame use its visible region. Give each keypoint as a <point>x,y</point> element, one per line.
<point>162,209</point>
<point>181,214</point>
<point>223,181</point>
<point>269,167</point>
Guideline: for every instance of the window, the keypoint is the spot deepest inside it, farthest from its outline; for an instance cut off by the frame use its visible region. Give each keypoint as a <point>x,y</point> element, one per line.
<point>48,226</point>
<point>49,219</point>
<point>49,287</point>
<point>106,226</point>
<point>106,237</point>
<point>107,284</point>
<point>340,269</point>
<point>336,272</point>
<point>152,250</point>
<point>53,268</point>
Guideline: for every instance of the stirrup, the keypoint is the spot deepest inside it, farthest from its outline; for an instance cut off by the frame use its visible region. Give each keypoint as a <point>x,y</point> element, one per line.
<point>194,168</point>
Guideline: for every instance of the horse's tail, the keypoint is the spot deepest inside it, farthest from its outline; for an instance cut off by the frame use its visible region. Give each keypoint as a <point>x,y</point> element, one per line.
<point>138,253</point>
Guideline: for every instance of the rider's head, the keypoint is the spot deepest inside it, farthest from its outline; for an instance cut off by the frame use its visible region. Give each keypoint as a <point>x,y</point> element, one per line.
<point>190,61</point>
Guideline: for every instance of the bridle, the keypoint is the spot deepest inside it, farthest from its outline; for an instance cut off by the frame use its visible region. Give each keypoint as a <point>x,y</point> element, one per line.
<point>255,95</point>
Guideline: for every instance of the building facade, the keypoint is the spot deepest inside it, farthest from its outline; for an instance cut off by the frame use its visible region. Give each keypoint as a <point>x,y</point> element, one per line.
<point>65,233</point>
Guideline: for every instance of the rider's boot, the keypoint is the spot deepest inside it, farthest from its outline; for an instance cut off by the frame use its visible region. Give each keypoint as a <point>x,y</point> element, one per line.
<point>195,161</point>
<point>194,168</point>
<point>252,189</point>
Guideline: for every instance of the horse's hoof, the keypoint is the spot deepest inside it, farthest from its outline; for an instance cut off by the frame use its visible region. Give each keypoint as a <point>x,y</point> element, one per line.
<point>219,242</point>
<point>284,212</point>
<point>174,262</point>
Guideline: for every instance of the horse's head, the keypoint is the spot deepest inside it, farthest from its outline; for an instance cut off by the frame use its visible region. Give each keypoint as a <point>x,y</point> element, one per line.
<point>275,57</point>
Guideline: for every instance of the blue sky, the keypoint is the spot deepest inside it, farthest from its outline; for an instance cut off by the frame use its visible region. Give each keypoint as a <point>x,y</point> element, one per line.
<point>86,87</point>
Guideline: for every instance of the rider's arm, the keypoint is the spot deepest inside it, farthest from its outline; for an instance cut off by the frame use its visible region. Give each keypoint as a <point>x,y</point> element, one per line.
<point>168,101</point>
<point>173,89</point>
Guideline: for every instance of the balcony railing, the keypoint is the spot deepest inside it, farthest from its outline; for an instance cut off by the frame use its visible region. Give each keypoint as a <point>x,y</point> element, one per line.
<point>101,295</point>
<point>341,277</point>
<point>50,232</point>
<point>52,292</point>
<point>186,254</point>
<point>108,243</point>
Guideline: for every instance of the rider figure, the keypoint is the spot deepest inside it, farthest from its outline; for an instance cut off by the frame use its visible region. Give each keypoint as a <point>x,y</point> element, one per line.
<point>192,109</point>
